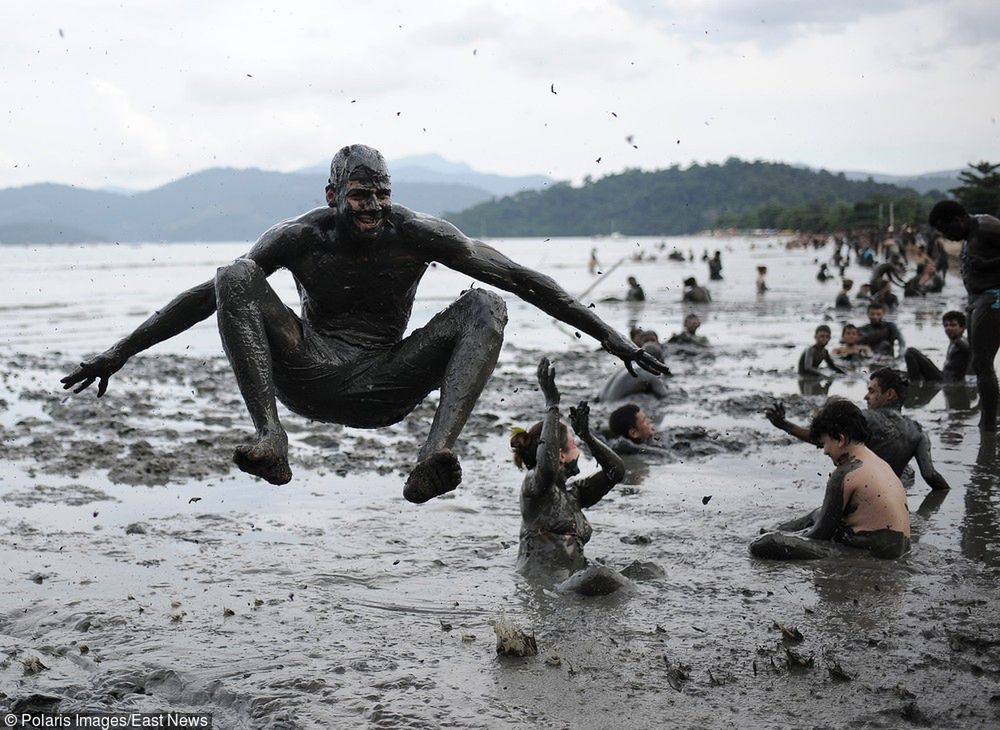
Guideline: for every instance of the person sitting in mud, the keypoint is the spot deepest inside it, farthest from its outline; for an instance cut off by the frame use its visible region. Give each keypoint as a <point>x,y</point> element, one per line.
<point>624,384</point>
<point>823,274</point>
<point>357,264</point>
<point>864,507</point>
<point>761,279</point>
<point>894,437</point>
<point>879,335</point>
<point>956,362</point>
<point>635,292</point>
<point>851,350</point>
<point>885,296</point>
<point>865,293</point>
<point>816,355</point>
<point>553,526</point>
<point>632,432</point>
<point>843,297</point>
<point>690,336</point>
<point>927,281</point>
<point>694,293</point>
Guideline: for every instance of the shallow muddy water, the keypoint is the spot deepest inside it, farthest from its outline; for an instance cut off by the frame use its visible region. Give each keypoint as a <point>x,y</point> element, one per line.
<point>146,573</point>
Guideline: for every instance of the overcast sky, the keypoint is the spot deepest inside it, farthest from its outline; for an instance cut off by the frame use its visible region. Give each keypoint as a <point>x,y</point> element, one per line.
<point>139,92</point>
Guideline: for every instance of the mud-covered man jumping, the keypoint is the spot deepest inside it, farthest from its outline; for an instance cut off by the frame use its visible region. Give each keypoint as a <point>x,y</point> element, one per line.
<point>357,264</point>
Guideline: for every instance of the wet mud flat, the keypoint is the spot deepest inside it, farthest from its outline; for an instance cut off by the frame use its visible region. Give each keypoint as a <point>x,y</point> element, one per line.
<point>144,572</point>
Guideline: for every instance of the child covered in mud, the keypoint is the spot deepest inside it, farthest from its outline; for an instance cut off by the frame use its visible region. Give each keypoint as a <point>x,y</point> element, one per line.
<point>851,351</point>
<point>816,355</point>
<point>554,528</point>
<point>864,507</point>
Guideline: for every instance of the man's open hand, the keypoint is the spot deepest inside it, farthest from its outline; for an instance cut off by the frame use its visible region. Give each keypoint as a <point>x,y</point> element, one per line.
<point>630,353</point>
<point>776,413</point>
<point>99,368</point>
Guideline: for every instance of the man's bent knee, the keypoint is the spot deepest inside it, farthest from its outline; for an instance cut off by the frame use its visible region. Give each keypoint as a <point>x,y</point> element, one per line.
<point>242,275</point>
<point>484,309</point>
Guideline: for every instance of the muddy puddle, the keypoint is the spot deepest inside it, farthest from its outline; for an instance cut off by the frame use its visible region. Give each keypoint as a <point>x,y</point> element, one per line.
<point>143,572</point>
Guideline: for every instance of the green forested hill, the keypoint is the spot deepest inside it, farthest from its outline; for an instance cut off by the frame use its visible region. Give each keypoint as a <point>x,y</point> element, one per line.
<point>677,201</point>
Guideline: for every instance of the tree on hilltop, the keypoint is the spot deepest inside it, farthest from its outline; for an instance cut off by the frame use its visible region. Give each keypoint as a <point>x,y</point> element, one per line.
<point>980,188</point>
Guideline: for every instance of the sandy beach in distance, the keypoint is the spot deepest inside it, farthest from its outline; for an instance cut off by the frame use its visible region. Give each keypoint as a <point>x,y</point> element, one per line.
<point>145,572</point>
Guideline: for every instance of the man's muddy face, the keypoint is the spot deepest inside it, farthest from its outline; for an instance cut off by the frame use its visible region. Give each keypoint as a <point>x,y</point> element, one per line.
<point>850,336</point>
<point>876,397</point>
<point>365,205</point>
<point>875,315</point>
<point>643,429</point>
<point>822,338</point>
<point>691,324</point>
<point>953,329</point>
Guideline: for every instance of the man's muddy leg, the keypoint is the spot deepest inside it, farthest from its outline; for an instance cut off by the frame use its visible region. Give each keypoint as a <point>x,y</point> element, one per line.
<point>478,319</point>
<point>984,341</point>
<point>252,322</point>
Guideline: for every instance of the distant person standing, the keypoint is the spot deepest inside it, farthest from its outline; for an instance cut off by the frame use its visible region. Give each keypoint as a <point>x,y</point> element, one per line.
<point>715,267</point>
<point>761,279</point>
<point>593,265</point>
<point>981,274</point>
<point>635,292</point>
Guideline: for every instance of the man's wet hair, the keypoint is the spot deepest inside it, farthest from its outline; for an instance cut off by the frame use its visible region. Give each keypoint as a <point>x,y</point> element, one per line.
<point>946,210</point>
<point>823,328</point>
<point>622,419</point>
<point>876,305</point>
<point>690,281</point>
<point>846,284</point>
<point>954,316</point>
<point>690,316</point>
<point>358,161</point>
<point>848,326</point>
<point>889,379</point>
<point>839,417</point>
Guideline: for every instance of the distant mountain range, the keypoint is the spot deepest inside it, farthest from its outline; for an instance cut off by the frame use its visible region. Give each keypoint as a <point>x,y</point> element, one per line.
<point>927,182</point>
<point>232,205</point>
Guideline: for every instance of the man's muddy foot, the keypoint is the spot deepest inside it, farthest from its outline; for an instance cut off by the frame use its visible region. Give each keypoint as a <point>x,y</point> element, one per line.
<point>267,459</point>
<point>438,473</point>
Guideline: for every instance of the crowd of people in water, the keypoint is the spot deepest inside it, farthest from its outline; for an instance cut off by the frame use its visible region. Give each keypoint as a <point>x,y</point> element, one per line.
<point>864,509</point>
<point>346,359</point>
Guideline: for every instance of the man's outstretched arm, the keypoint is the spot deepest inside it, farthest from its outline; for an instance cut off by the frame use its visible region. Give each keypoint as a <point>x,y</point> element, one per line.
<point>776,415</point>
<point>443,242</point>
<point>181,313</point>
